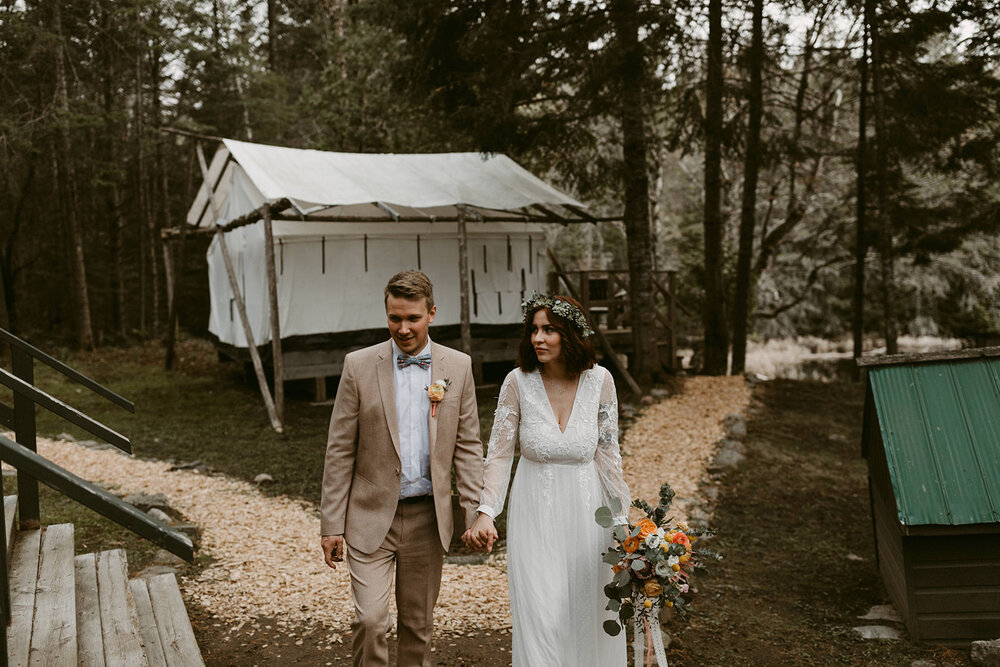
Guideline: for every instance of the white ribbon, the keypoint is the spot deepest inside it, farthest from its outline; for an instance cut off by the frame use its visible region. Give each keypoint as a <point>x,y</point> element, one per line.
<point>639,637</point>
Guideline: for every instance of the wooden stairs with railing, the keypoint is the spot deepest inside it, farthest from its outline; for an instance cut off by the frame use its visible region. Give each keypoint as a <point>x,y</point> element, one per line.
<point>83,610</point>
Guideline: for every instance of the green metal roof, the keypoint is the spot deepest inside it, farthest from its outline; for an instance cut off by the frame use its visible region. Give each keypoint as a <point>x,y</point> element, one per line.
<point>940,424</point>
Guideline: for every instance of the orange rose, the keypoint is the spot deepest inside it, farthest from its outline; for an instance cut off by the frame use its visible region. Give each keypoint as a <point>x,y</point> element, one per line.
<point>681,538</point>
<point>646,528</point>
<point>630,544</point>
<point>616,568</point>
<point>652,589</point>
<point>435,392</point>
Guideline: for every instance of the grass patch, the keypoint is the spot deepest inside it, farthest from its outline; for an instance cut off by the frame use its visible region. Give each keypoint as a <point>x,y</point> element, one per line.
<point>786,592</point>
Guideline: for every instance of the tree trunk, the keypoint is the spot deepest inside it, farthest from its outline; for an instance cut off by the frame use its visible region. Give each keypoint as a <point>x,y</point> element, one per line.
<point>151,248</point>
<point>624,13</point>
<point>751,170</point>
<point>8,270</point>
<point>271,11</point>
<point>882,186</point>
<point>714,310</point>
<point>85,333</point>
<point>861,243</point>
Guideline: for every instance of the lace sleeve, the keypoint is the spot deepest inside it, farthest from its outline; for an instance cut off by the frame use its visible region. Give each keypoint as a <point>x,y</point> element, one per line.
<point>500,451</point>
<point>608,455</point>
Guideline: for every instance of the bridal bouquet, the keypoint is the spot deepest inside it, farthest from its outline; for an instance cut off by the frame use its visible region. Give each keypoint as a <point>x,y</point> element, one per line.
<point>652,561</point>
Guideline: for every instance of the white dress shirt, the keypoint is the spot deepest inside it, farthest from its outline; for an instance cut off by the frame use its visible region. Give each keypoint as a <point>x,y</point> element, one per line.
<point>412,412</point>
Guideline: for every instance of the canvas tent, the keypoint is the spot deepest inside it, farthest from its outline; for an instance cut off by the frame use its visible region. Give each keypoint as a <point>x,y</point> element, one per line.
<point>318,233</point>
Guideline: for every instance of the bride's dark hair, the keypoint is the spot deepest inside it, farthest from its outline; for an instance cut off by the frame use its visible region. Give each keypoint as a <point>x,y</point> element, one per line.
<point>577,351</point>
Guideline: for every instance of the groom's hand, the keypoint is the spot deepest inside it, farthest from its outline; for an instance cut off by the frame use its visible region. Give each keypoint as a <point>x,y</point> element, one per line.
<point>333,549</point>
<point>482,534</point>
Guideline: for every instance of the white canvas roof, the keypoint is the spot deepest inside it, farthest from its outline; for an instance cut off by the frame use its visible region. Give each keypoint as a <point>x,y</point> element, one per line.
<point>369,186</point>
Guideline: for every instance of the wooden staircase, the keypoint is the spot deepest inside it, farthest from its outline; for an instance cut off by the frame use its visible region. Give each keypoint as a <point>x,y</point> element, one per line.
<point>83,610</point>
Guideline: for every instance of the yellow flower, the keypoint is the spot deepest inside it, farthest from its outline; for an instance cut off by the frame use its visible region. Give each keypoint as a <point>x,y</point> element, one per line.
<point>684,558</point>
<point>668,603</point>
<point>647,604</point>
<point>675,567</point>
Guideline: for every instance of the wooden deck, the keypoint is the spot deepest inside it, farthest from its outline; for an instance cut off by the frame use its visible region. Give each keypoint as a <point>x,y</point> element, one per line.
<point>83,610</point>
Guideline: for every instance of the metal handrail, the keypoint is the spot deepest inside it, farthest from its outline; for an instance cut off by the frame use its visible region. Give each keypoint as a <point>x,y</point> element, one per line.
<point>92,496</point>
<point>71,373</point>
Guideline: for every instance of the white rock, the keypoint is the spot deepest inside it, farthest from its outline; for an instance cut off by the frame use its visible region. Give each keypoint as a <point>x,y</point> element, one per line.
<point>66,436</point>
<point>160,515</point>
<point>985,653</point>
<point>877,632</point>
<point>263,478</point>
<point>882,612</point>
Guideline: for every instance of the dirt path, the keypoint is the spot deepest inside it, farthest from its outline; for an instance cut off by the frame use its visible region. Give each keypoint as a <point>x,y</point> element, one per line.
<point>267,589</point>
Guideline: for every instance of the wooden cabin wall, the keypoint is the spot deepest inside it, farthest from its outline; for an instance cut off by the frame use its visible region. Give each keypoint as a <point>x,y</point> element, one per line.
<point>955,581</point>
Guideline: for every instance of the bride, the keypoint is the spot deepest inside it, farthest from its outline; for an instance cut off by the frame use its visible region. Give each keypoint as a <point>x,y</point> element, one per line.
<point>562,408</point>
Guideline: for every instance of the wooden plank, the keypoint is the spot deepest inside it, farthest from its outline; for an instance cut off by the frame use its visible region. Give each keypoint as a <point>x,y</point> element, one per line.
<point>939,628</point>
<point>147,623</point>
<point>89,639</point>
<point>957,599</point>
<point>948,574</point>
<point>119,627</point>
<point>23,581</point>
<point>9,525</point>
<point>176,634</point>
<point>53,634</point>
<point>925,357</point>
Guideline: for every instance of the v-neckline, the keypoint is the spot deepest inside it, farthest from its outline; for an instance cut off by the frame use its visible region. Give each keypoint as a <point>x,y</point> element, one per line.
<point>572,410</point>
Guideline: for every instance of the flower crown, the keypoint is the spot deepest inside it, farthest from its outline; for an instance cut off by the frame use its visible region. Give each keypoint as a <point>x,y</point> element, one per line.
<point>560,308</point>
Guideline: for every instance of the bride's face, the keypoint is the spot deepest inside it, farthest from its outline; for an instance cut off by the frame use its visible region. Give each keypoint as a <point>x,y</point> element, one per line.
<point>546,340</point>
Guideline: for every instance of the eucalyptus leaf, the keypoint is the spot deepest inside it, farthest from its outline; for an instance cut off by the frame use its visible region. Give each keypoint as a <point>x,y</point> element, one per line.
<point>604,517</point>
<point>612,628</point>
<point>620,533</point>
<point>638,565</point>
<point>614,605</point>
<point>626,612</point>
<point>611,557</point>
<point>616,505</point>
<point>622,579</point>
<point>613,591</point>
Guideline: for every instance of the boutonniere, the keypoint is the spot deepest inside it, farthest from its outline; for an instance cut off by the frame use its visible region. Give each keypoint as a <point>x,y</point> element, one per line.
<point>435,392</point>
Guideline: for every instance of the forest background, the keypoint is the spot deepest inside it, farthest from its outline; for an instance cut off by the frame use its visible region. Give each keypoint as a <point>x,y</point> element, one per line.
<point>807,167</point>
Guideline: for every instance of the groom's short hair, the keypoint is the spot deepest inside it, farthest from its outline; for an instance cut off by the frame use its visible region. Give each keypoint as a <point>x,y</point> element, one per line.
<point>411,285</point>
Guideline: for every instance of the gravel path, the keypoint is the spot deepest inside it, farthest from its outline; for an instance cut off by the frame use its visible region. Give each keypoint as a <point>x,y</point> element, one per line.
<point>267,561</point>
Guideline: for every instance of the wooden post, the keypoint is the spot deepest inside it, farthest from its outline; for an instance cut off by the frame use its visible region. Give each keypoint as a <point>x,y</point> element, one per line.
<point>272,293</point>
<point>672,316</point>
<point>605,343</point>
<point>23,366</point>
<point>463,268</point>
<point>258,367</point>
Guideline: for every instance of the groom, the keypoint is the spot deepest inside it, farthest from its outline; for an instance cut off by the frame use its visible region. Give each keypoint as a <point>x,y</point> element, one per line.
<point>387,479</point>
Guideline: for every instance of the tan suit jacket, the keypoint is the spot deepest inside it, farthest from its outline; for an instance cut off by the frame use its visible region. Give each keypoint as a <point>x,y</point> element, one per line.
<point>361,477</point>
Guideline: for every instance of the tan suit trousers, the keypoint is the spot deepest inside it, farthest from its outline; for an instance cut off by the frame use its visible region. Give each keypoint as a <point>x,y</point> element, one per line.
<point>413,549</point>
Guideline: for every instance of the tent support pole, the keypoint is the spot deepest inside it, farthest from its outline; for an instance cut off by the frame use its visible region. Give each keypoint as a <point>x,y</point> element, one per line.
<point>272,293</point>
<point>463,268</point>
<point>258,367</point>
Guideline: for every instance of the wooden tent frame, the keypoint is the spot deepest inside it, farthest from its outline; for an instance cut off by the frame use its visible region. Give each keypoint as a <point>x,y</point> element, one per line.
<point>271,211</point>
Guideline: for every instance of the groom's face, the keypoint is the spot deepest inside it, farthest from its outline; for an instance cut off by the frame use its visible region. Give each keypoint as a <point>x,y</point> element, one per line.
<point>408,322</point>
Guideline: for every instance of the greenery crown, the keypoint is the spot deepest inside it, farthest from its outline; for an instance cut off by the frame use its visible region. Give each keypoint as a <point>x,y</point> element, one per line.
<point>560,308</point>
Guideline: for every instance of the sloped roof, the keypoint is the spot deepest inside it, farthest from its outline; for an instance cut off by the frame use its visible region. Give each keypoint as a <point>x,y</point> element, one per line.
<point>366,186</point>
<point>940,425</point>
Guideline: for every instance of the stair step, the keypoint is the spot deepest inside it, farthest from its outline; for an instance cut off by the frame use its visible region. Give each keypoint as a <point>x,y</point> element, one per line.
<point>172,622</point>
<point>147,623</point>
<point>23,583</point>
<point>119,618</point>
<point>53,633</point>
<point>9,523</point>
<point>89,637</point>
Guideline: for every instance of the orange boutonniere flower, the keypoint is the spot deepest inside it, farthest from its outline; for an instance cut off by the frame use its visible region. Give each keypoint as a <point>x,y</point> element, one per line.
<point>435,392</point>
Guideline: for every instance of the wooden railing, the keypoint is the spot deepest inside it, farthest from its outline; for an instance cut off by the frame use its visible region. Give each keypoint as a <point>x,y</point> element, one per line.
<point>32,468</point>
<point>605,295</point>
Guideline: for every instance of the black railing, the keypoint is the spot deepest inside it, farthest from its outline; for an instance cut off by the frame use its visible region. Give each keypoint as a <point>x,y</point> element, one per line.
<point>32,468</point>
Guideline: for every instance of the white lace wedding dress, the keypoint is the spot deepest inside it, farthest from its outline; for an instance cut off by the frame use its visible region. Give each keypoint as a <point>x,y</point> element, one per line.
<point>554,568</point>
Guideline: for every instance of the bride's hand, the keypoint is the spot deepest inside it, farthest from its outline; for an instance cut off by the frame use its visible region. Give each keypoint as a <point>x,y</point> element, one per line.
<point>482,534</point>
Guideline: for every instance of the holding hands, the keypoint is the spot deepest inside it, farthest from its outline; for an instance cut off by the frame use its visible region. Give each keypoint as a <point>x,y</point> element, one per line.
<point>481,535</point>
